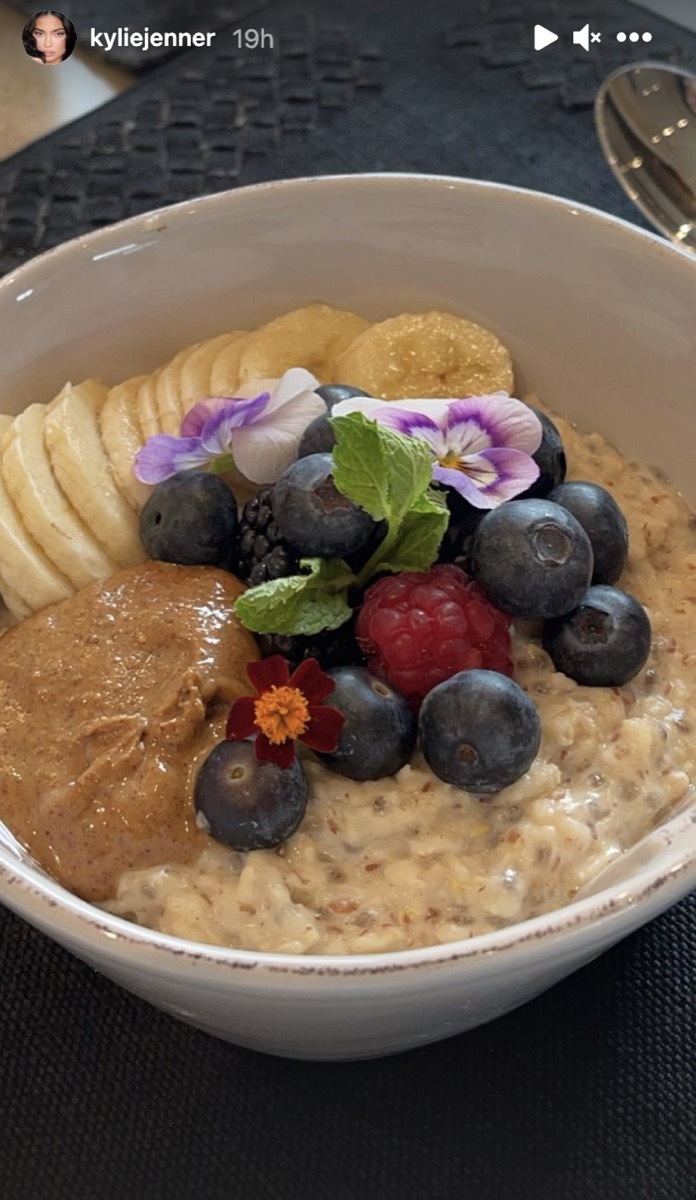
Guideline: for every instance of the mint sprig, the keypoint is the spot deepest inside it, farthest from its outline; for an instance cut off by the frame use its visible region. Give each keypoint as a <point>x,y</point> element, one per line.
<point>390,476</point>
<point>381,470</point>
<point>305,603</point>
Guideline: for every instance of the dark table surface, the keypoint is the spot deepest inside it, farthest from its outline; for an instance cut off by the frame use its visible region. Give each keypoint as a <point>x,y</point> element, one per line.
<point>589,1091</point>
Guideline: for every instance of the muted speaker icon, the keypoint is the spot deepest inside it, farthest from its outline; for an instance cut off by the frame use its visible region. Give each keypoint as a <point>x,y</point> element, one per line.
<point>581,37</point>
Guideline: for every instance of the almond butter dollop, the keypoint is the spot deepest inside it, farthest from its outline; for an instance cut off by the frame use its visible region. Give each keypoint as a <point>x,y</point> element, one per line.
<point>109,702</point>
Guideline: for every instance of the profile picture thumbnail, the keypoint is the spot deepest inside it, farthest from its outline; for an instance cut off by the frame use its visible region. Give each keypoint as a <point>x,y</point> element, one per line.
<point>49,37</point>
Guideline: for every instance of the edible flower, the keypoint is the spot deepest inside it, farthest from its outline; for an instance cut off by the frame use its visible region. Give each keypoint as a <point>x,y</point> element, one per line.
<point>256,432</point>
<point>286,707</point>
<point>482,446</point>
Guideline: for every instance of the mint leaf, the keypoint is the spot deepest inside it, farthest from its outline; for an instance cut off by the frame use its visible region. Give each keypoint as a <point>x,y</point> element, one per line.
<point>416,545</point>
<point>379,469</point>
<point>299,603</point>
<point>390,475</point>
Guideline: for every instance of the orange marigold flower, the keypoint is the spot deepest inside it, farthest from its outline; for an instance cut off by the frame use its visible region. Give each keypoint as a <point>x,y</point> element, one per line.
<point>286,707</point>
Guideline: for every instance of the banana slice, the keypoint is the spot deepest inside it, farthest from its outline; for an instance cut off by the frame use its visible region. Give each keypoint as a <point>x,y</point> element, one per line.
<point>224,373</point>
<point>44,509</point>
<point>148,414</point>
<point>187,379</point>
<point>311,337</point>
<point>167,392</point>
<point>197,372</point>
<point>12,600</point>
<point>30,580</point>
<point>122,438</point>
<point>16,607</point>
<point>71,429</point>
<point>425,354</point>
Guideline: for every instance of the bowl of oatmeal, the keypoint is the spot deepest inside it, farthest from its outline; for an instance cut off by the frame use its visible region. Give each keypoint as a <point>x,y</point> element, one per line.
<point>402,909</point>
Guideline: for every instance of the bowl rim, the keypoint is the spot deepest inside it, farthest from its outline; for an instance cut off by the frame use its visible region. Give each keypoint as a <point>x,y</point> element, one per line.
<point>22,884</point>
<point>26,884</point>
<point>183,210</point>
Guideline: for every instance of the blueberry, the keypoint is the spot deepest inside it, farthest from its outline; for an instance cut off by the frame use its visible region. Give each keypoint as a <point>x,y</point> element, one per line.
<point>318,437</point>
<point>331,393</point>
<point>603,521</point>
<point>479,731</point>
<point>531,558</point>
<point>247,804</point>
<point>379,732</point>
<point>464,518</point>
<point>550,459</point>
<point>603,642</point>
<point>191,518</point>
<point>313,516</point>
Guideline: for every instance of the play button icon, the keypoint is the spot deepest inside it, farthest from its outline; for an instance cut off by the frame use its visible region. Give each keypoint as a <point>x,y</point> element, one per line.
<point>543,37</point>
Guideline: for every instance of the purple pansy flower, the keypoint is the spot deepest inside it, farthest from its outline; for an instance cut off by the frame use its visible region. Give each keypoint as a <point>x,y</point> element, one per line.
<point>482,446</point>
<point>256,432</point>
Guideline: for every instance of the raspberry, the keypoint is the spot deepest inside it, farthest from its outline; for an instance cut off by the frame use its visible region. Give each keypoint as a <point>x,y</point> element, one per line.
<point>419,628</point>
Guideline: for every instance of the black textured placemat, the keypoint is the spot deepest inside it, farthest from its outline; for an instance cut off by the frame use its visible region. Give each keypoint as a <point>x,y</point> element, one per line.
<point>589,1092</point>
<point>392,88</point>
<point>209,121</point>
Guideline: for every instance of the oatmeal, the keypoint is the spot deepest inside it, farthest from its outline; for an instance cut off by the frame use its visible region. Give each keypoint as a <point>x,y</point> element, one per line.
<point>113,696</point>
<point>411,861</point>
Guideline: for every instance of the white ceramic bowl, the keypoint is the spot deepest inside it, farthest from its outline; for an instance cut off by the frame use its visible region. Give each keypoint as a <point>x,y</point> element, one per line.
<point>600,319</point>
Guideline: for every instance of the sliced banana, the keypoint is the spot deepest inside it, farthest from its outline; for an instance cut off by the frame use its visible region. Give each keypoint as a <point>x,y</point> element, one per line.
<point>12,600</point>
<point>311,337</point>
<point>122,438</point>
<point>187,379</point>
<point>16,606</point>
<point>224,373</point>
<point>167,392</point>
<point>43,507</point>
<point>148,414</point>
<point>71,429</point>
<point>29,577</point>
<point>196,381</point>
<point>425,354</point>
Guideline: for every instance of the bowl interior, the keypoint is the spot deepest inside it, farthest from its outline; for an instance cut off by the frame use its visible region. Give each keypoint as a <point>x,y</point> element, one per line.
<point>594,311</point>
<point>597,315</point>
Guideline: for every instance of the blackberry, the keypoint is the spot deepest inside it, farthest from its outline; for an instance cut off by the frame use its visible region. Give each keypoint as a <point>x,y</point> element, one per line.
<point>262,553</point>
<point>331,647</point>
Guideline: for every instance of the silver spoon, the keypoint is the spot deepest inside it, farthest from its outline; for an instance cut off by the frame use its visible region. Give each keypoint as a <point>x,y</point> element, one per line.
<point>646,121</point>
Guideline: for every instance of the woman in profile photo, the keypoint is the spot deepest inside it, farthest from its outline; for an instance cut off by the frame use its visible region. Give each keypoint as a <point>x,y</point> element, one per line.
<point>49,37</point>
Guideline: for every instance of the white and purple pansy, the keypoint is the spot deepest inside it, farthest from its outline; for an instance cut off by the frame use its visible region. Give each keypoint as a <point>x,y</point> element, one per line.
<point>482,446</point>
<point>257,432</point>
